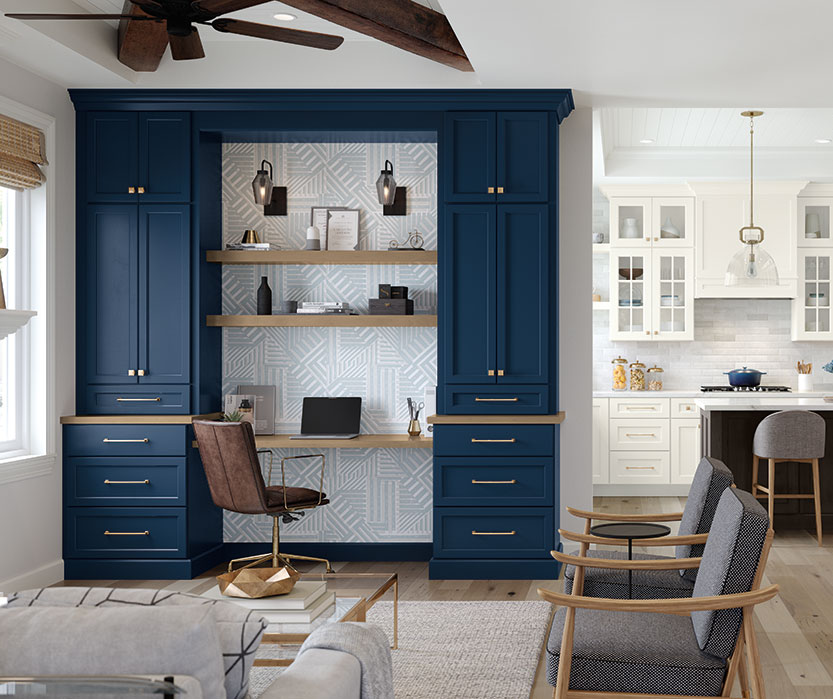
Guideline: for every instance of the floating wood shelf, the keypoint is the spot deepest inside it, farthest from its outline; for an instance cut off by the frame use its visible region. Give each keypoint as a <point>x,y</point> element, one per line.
<point>322,257</point>
<point>363,441</point>
<point>556,419</point>
<point>294,320</point>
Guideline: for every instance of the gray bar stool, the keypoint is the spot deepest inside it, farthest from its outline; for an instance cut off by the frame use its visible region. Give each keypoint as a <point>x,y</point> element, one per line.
<point>790,435</point>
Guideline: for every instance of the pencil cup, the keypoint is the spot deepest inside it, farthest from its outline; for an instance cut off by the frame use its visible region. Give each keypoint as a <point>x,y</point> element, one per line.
<point>805,383</point>
<point>414,429</point>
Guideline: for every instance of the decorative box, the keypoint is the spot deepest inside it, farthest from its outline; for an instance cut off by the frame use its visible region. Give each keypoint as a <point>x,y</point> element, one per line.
<point>384,291</point>
<point>391,307</point>
<point>398,292</point>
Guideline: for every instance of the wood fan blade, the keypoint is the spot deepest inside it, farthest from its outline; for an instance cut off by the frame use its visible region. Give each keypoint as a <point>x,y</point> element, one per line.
<point>28,16</point>
<point>221,7</point>
<point>287,36</point>
<point>186,48</point>
<point>141,44</point>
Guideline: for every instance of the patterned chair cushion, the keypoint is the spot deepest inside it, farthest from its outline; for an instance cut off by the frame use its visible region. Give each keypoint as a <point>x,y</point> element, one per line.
<point>711,478</point>
<point>730,561</point>
<point>239,629</point>
<point>647,584</point>
<point>635,652</point>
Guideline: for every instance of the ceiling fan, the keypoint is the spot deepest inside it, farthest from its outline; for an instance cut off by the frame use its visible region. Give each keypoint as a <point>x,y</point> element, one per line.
<point>181,16</point>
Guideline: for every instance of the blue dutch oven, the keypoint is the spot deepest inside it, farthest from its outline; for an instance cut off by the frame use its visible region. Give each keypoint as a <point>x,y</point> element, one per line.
<point>744,377</point>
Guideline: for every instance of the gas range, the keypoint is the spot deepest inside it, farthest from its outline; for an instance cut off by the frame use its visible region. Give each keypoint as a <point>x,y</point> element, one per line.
<point>745,389</point>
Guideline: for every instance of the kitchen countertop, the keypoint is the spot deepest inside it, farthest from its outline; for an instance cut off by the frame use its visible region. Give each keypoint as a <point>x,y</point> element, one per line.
<point>789,401</point>
<point>697,393</point>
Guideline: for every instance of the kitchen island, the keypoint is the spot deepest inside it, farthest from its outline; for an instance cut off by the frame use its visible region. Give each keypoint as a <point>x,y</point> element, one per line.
<point>727,429</point>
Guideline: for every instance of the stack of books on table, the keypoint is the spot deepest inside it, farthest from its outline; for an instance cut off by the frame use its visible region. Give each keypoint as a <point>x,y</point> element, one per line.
<point>324,307</point>
<point>307,601</point>
<point>252,246</point>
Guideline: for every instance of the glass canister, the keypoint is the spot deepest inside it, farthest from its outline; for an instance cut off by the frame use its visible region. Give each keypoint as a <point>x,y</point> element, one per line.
<point>655,378</point>
<point>620,377</point>
<point>637,376</point>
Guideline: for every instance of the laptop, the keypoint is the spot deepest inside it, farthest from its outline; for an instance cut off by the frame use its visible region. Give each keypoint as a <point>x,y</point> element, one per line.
<point>330,418</point>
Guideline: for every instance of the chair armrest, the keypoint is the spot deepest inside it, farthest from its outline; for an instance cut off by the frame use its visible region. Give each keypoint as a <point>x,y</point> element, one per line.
<point>613,517</point>
<point>658,541</point>
<point>662,606</point>
<point>612,563</point>
<point>296,458</point>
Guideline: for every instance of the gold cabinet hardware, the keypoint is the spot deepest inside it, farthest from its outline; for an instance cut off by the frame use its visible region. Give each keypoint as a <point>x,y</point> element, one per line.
<point>688,407</point>
<point>476,482</point>
<point>638,407</point>
<point>107,440</point>
<point>474,532</point>
<point>493,441</point>
<point>478,399</point>
<point>109,533</point>
<point>500,190</point>
<point>500,372</point>
<point>107,481</point>
<point>656,239</point>
<point>141,372</point>
<point>647,332</point>
<point>131,372</point>
<point>640,434</point>
<point>491,372</point>
<point>138,400</point>
<point>656,332</point>
<point>491,190</point>
<point>141,190</point>
<point>639,468</point>
<point>131,190</point>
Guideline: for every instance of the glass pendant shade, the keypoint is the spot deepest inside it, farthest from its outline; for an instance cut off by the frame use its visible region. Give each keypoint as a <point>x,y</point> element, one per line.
<point>751,266</point>
<point>386,185</point>
<point>262,184</point>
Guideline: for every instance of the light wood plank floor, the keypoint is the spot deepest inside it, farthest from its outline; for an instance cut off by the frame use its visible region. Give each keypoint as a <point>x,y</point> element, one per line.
<point>795,630</point>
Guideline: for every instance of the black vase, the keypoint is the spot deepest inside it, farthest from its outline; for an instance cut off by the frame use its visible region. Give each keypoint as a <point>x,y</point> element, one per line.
<point>264,298</point>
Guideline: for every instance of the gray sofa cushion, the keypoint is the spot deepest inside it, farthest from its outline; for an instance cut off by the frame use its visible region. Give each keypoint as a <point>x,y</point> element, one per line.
<point>647,584</point>
<point>125,641</point>
<point>319,673</point>
<point>711,478</point>
<point>730,561</point>
<point>240,629</point>
<point>635,652</point>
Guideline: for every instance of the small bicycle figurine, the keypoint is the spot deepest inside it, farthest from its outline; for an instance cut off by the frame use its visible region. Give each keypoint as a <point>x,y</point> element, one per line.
<point>414,242</point>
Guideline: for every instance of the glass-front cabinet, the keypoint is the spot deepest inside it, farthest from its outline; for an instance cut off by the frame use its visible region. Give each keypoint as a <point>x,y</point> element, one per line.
<point>651,221</point>
<point>652,294</point>
<point>811,308</point>
<point>814,215</point>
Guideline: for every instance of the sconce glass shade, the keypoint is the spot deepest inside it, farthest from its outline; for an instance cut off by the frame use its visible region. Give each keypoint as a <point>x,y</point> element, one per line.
<point>262,184</point>
<point>751,266</point>
<point>386,185</point>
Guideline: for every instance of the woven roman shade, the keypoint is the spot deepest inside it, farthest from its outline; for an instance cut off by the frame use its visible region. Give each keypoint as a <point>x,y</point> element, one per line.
<point>21,151</point>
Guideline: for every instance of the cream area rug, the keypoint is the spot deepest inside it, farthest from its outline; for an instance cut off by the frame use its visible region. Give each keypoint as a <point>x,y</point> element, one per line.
<point>487,650</point>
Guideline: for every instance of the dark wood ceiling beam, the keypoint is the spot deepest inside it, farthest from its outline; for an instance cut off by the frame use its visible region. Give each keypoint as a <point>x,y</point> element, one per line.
<point>141,44</point>
<point>401,23</point>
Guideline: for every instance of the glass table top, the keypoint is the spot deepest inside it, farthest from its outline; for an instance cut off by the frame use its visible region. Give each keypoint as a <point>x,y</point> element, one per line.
<point>77,686</point>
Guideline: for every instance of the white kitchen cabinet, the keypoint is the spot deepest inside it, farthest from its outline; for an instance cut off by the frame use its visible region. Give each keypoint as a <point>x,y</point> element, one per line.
<point>639,435</point>
<point>600,448</point>
<point>814,216</point>
<point>639,467</point>
<point>651,406</point>
<point>650,221</point>
<point>685,449</point>
<point>722,209</point>
<point>683,407</point>
<point>811,312</point>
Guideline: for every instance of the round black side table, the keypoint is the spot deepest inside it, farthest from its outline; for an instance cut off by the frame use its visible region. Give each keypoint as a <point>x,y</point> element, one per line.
<point>630,531</point>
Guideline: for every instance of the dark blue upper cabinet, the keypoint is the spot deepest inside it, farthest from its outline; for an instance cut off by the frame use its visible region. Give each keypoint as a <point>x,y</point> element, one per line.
<point>470,147</point>
<point>165,156</point>
<point>522,157</point>
<point>108,322</point>
<point>468,294</point>
<point>112,148</point>
<point>164,288</point>
<point>138,157</point>
<point>523,303</point>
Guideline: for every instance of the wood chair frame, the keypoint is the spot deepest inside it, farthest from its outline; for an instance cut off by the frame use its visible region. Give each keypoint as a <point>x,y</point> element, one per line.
<point>747,670</point>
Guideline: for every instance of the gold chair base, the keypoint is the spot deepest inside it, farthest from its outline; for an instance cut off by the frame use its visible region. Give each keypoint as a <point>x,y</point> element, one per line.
<point>282,559</point>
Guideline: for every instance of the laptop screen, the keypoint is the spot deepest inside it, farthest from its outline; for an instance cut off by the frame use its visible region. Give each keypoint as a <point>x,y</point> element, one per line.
<point>331,416</point>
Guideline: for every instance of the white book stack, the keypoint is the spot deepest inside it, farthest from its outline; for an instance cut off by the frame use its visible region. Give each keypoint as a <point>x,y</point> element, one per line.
<point>252,246</point>
<point>307,601</point>
<point>324,307</point>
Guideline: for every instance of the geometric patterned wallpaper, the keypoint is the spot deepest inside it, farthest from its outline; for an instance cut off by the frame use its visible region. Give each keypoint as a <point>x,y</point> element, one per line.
<point>377,495</point>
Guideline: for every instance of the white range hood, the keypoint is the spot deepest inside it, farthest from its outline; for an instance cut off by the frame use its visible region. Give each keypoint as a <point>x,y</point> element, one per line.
<point>11,321</point>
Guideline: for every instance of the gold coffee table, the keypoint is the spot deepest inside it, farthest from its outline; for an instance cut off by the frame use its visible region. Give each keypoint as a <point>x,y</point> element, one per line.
<point>355,594</point>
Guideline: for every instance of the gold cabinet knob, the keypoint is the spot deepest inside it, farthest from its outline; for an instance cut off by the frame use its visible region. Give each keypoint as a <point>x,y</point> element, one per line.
<point>491,190</point>
<point>491,372</point>
<point>131,372</point>
<point>647,332</point>
<point>656,332</point>
<point>131,190</point>
<point>141,372</point>
<point>500,372</point>
<point>500,190</point>
<point>141,190</point>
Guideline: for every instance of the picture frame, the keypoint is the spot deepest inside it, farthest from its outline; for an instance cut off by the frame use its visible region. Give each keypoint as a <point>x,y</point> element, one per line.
<point>343,229</point>
<point>264,404</point>
<point>318,218</point>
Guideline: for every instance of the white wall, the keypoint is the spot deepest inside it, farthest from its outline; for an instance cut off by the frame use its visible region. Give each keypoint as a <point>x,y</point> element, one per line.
<point>575,330</point>
<point>30,508</point>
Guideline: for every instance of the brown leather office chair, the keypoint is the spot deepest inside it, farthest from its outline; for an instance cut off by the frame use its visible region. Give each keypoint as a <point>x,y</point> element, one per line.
<point>230,459</point>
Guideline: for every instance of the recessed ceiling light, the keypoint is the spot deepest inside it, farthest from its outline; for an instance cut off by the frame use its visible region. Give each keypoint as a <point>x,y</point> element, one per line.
<point>284,17</point>
<point>824,140</point>
<point>646,140</point>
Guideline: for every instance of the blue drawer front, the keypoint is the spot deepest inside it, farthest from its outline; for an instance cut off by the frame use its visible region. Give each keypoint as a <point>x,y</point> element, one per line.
<point>493,440</point>
<point>125,440</point>
<point>86,532</point>
<point>490,481</point>
<point>125,481</point>
<point>496,400</point>
<point>479,532</point>
<point>138,400</point>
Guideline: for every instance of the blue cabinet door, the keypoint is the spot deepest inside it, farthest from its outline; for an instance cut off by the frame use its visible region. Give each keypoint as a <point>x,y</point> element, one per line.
<point>523,294</point>
<point>164,157</point>
<point>164,294</point>
<point>468,293</point>
<point>522,157</point>
<point>470,144</point>
<point>109,323</point>
<point>112,163</point>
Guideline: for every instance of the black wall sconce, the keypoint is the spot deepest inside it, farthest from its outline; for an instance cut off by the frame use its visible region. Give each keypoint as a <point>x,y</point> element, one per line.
<point>272,198</point>
<point>391,197</point>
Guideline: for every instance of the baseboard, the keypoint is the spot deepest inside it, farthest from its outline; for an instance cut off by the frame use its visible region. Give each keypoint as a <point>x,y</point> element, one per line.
<point>40,577</point>
<point>394,551</point>
<point>493,569</point>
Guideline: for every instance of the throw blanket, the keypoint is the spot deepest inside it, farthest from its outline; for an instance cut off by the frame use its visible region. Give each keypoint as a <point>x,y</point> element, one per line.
<point>368,644</point>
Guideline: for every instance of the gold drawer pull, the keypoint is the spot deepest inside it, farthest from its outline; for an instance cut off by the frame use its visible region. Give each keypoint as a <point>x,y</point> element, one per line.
<point>491,372</point>
<point>477,533</point>
<point>109,533</point>
<point>500,190</point>
<point>639,468</point>
<point>636,407</point>
<point>131,190</point>
<point>478,399</point>
<point>491,190</point>
<point>493,441</point>
<point>640,434</point>
<point>107,481</point>
<point>141,190</point>
<point>138,400</point>
<point>512,482</point>
<point>107,440</point>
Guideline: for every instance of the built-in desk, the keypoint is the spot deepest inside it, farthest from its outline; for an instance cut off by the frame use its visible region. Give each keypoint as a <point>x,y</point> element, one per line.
<point>363,441</point>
